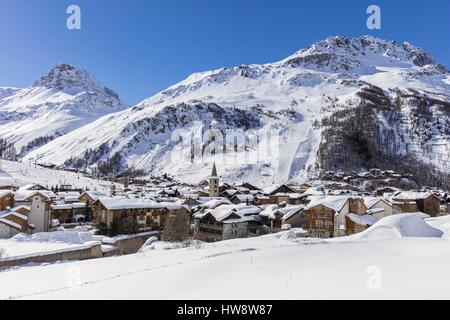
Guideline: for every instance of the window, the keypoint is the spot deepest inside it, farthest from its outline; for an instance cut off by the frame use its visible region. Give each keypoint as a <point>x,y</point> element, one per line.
<point>319,224</point>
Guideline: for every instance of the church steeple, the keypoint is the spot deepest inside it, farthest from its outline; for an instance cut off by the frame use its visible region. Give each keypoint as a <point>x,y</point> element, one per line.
<point>214,171</point>
<point>214,190</point>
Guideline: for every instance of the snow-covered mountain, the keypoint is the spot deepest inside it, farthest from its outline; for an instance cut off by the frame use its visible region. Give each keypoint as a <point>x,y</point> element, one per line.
<point>339,104</point>
<point>65,99</point>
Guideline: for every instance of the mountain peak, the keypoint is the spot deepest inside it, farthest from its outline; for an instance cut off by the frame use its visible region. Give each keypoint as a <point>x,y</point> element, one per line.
<point>342,53</point>
<point>66,76</point>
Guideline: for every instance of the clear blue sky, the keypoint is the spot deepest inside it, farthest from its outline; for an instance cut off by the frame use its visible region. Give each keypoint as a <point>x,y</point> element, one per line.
<point>138,47</point>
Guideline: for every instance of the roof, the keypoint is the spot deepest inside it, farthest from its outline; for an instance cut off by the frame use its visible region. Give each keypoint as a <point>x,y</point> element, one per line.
<point>366,220</point>
<point>64,194</point>
<point>25,195</point>
<point>286,212</point>
<point>125,203</point>
<point>222,212</point>
<point>13,213</point>
<point>28,187</point>
<point>333,202</point>
<point>6,192</point>
<point>214,171</point>
<point>372,201</point>
<point>68,206</point>
<point>11,223</point>
<point>95,195</point>
<point>411,195</point>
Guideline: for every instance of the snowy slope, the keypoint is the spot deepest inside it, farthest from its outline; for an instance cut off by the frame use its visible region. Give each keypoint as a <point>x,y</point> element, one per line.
<point>276,266</point>
<point>20,174</point>
<point>292,96</point>
<point>65,99</point>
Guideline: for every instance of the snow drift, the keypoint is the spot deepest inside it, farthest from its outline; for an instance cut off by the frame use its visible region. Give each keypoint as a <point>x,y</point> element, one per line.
<point>399,226</point>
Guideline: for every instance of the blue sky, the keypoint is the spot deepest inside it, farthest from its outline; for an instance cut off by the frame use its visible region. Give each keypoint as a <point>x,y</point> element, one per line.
<point>139,47</point>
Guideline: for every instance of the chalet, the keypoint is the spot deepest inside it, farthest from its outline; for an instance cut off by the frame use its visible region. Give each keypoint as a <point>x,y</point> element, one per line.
<point>14,221</point>
<point>328,215</point>
<point>149,215</point>
<point>275,217</point>
<point>411,201</point>
<point>356,223</point>
<point>40,209</point>
<point>227,222</point>
<point>378,207</point>
<point>70,212</point>
<point>6,199</point>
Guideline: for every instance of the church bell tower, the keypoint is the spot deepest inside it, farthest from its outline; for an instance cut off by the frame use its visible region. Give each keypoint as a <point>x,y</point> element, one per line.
<point>214,183</point>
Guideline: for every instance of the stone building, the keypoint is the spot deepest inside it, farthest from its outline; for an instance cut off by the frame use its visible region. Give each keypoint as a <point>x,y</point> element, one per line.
<point>214,183</point>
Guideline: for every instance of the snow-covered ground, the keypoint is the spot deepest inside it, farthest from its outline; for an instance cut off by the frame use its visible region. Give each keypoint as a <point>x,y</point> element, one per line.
<point>19,174</point>
<point>383,265</point>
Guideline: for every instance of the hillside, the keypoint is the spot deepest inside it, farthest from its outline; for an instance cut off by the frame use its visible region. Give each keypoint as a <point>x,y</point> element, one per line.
<point>340,104</point>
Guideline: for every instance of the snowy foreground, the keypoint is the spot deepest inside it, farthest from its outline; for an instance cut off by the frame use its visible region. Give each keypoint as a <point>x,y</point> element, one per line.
<point>400,257</point>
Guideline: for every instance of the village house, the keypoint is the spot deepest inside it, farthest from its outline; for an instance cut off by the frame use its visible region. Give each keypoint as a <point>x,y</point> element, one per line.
<point>148,214</point>
<point>329,215</point>
<point>14,221</point>
<point>411,201</point>
<point>6,199</point>
<point>67,213</point>
<point>39,204</point>
<point>227,222</point>
<point>276,217</point>
<point>90,198</point>
<point>378,207</point>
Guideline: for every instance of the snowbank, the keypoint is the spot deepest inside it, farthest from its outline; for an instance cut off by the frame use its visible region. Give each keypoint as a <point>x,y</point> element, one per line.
<point>399,226</point>
<point>442,224</point>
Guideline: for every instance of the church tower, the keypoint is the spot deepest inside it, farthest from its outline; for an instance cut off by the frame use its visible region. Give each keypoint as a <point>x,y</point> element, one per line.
<point>214,183</point>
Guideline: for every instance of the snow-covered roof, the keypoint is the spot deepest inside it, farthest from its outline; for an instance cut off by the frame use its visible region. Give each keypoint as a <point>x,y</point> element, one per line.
<point>372,201</point>
<point>287,212</point>
<point>6,192</point>
<point>11,223</point>
<point>411,195</point>
<point>30,186</point>
<point>64,194</point>
<point>68,206</point>
<point>125,203</point>
<point>222,212</point>
<point>25,195</point>
<point>95,195</point>
<point>13,213</point>
<point>365,220</point>
<point>333,202</point>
